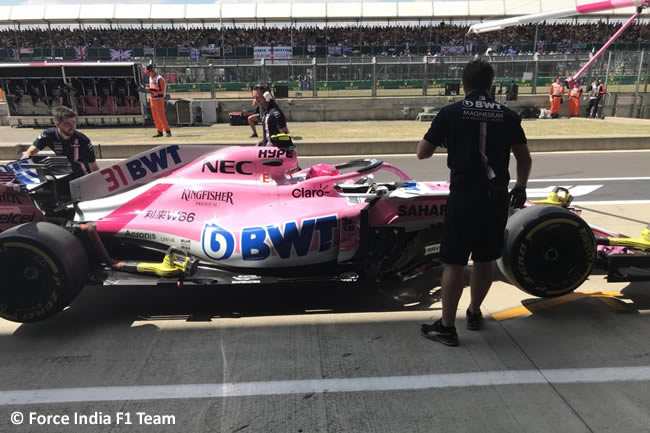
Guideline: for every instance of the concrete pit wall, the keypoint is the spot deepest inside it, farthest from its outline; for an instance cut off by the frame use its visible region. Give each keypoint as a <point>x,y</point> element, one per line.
<point>401,108</point>
<point>407,108</point>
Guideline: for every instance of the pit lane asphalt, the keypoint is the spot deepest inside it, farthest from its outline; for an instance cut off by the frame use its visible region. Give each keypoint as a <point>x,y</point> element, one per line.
<point>333,359</point>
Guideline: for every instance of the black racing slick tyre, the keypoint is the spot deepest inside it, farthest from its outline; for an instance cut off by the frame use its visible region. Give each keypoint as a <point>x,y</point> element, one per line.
<point>548,251</point>
<point>42,267</point>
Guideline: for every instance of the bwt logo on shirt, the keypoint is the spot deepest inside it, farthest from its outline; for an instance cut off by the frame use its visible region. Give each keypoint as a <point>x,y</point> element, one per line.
<point>481,104</point>
<point>219,243</point>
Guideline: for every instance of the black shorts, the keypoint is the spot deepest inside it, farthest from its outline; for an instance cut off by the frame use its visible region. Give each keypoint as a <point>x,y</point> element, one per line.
<point>474,224</point>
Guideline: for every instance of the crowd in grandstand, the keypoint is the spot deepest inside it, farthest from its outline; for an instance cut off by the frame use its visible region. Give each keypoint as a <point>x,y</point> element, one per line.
<point>118,37</point>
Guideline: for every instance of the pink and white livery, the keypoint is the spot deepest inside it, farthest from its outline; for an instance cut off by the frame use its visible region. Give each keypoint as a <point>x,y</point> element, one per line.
<point>189,215</point>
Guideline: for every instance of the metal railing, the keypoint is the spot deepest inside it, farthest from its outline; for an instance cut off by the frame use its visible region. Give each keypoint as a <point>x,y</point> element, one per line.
<point>379,76</point>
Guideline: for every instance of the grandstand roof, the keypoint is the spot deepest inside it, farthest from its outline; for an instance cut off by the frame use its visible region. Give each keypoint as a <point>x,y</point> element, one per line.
<point>285,12</point>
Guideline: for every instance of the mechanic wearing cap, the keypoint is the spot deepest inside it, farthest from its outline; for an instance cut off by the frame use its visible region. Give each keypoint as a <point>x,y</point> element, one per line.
<point>65,140</point>
<point>479,135</point>
<point>274,124</point>
<point>157,89</point>
<point>556,95</point>
<point>596,91</point>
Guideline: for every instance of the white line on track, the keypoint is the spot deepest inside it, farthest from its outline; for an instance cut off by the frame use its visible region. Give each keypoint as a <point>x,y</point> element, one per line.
<point>362,384</point>
<point>590,179</point>
<point>587,202</point>
<point>412,155</point>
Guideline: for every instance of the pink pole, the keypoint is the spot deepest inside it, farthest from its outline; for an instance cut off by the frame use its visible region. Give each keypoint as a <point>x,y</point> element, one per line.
<point>609,4</point>
<point>569,81</point>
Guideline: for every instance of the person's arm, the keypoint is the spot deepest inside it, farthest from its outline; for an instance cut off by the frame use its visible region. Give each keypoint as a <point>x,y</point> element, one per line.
<point>36,146</point>
<point>524,163</point>
<point>425,149</point>
<point>87,153</point>
<point>517,195</point>
<point>31,151</point>
<point>434,137</point>
<point>280,121</point>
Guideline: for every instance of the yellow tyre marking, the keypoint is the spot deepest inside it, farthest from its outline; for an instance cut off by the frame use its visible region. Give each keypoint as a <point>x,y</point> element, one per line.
<point>36,251</point>
<point>553,221</point>
<point>607,297</point>
<point>549,222</point>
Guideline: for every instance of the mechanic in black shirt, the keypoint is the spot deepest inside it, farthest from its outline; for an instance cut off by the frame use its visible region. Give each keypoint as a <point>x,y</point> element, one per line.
<point>479,135</point>
<point>273,120</point>
<point>65,140</point>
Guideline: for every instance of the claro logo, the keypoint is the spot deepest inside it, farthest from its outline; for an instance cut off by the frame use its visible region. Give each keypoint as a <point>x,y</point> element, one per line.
<point>228,167</point>
<point>321,191</point>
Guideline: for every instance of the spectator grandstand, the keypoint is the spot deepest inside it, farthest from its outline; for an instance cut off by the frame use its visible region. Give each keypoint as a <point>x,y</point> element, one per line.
<point>411,39</point>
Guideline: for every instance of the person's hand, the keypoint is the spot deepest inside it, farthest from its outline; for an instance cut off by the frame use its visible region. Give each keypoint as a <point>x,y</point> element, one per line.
<point>517,196</point>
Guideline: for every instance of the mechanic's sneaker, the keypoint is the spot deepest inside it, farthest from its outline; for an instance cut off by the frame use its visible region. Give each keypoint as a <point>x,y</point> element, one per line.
<point>442,334</point>
<point>253,135</point>
<point>474,320</point>
<point>158,135</point>
<point>168,133</point>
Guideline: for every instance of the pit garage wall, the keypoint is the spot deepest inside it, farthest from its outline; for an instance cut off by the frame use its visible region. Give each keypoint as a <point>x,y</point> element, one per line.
<point>401,108</point>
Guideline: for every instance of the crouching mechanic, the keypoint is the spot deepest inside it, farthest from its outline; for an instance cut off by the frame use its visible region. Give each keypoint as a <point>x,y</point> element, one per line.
<point>274,125</point>
<point>479,135</point>
<point>65,140</point>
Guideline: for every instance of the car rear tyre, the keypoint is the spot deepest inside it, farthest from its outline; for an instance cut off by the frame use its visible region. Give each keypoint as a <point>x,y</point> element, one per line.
<point>548,251</point>
<point>43,267</point>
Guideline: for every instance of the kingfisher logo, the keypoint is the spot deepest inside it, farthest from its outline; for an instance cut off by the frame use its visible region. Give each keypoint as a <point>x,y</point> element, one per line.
<point>256,242</point>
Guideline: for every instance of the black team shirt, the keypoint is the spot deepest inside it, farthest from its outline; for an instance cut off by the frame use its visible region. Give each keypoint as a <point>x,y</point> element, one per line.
<point>78,148</point>
<point>478,134</point>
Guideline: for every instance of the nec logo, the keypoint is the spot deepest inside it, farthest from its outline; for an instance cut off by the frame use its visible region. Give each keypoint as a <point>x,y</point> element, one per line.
<point>227,167</point>
<point>140,167</point>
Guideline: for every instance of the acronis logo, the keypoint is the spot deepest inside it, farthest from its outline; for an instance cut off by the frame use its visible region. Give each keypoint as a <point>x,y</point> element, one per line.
<point>256,242</point>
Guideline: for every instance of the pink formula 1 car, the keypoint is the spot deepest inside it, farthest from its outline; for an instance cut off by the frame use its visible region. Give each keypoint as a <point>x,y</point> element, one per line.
<point>200,215</point>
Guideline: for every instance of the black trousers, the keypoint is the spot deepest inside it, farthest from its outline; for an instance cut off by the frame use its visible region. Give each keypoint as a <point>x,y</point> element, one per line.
<point>593,106</point>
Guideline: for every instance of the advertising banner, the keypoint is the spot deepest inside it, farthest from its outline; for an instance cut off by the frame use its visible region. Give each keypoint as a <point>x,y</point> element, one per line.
<point>276,55</point>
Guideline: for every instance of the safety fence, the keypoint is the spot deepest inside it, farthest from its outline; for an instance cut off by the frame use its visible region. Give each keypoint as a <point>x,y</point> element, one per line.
<point>367,84</point>
<point>186,54</point>
<point>377,76</point>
